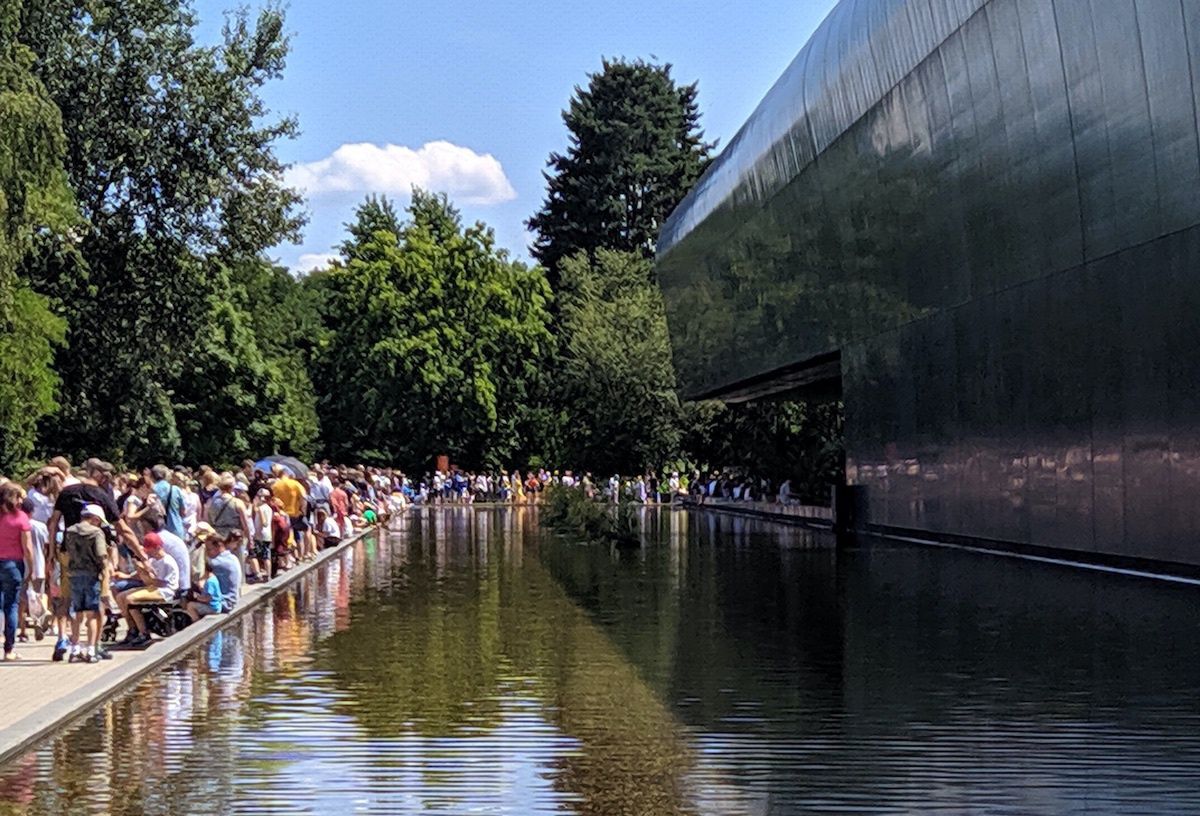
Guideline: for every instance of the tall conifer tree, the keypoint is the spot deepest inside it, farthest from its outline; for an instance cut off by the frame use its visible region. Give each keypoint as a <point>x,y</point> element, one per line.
<point>636,148</point>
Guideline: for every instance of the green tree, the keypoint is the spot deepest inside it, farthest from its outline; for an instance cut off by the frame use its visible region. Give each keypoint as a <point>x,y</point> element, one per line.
<point>245,389</point>
<point>33,196</point>
<point>636,148</point>
<point>614,366</point>
<point>432,338</point>
<point>170,153</point>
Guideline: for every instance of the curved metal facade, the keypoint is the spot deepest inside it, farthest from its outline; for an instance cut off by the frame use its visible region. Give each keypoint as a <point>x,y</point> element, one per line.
<point>989,209</point>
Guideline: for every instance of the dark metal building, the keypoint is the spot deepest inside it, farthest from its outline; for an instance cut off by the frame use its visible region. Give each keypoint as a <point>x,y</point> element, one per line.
<point>979,222</point>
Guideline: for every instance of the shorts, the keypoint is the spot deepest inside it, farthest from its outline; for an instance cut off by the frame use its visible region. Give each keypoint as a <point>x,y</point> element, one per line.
<point>85,593</point>
<point>146,595</point>
<point>204,610</point>
<point>262,550</point>
<point>299,524</point>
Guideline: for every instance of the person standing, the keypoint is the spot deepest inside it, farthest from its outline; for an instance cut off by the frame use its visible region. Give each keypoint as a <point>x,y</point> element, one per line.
<point>191,501</point>
<point>68,509</point>
<point>86,549</point>
<point>339,501</point>
<point>36,580</point>
<point>171,499</point>
<point>16,560</point>
<point>260,550</point>
<point>225,512</point>
<point>293,500</point>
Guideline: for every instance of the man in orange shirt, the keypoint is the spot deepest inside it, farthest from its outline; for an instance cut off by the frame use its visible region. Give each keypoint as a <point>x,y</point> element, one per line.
<point>293,498</point>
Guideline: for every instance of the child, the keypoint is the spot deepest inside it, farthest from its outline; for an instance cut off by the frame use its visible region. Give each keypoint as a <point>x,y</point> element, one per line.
<point>207,601</point>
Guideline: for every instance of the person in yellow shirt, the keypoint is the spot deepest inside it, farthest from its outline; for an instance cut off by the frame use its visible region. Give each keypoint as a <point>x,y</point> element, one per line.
<point>292,496</point>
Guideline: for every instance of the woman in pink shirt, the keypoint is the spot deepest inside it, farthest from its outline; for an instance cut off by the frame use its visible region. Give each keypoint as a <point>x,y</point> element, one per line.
<point>16,559</point>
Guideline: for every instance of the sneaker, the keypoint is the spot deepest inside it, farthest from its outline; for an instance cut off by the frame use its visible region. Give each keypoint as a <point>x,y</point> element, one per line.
<point>130,637</point>
<point>75,657</point>
<point>60,649</point>
<point>103,654</point>
<point>140,640</point>
<point>94,657</point>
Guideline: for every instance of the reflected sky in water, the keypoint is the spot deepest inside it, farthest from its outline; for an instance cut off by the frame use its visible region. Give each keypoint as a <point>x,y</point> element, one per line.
<point>469,664</point>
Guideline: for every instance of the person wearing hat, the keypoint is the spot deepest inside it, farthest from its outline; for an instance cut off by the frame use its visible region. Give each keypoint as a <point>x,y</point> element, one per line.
<point>200,537</point>
<point>85,548</point>
<point>66,514</point>
<point>160,575</point>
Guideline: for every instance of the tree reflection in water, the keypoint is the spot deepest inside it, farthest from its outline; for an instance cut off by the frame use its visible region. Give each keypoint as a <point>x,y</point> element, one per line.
<point>436,667</point>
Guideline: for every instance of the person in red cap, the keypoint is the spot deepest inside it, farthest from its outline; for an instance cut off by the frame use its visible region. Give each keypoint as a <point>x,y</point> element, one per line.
<point>160,576</point>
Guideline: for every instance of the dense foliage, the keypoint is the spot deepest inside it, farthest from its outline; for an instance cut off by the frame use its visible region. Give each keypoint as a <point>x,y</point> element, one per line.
<point>33,195</point>
<point>170,154</point>
<point>572,512</point>
<point>433,338</point>
<point>636,148</point>
<point>615,378</point>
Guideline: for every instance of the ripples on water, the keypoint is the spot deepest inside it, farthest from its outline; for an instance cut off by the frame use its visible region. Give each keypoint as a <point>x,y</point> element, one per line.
<point>467,664</point>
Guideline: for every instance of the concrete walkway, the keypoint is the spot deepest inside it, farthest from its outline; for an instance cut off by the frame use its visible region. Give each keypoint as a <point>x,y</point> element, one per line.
<point>41,696</point>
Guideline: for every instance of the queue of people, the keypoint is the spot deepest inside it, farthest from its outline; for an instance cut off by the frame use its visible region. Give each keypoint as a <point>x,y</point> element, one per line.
<point>468,487</point>
<point>85,550</point>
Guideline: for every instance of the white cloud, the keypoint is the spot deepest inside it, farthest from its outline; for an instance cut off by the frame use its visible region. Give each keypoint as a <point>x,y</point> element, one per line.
<point>312,260</point>
<point>466,176</point>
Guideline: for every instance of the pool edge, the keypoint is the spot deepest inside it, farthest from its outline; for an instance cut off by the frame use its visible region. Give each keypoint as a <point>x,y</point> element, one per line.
<point>22,735</point>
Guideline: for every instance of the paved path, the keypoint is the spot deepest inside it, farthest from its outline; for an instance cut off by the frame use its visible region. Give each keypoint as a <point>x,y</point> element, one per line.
<point>40,695</point>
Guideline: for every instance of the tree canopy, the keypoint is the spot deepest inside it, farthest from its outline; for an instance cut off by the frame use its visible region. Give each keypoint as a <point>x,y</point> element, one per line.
<point>170,154</point>
<point>615,374</point>
<point>635,149</point>
<point>433,336</point>
<point>33,196</point>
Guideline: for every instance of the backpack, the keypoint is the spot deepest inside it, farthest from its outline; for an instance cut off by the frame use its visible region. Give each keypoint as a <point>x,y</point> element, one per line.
<point>83,552</point>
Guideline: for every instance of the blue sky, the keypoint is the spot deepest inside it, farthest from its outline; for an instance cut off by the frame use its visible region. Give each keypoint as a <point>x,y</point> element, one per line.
<point>390,92</point>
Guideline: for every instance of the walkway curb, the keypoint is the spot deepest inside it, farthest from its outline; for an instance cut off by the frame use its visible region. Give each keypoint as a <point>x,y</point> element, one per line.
<point>55,714</point>
<point>811,522</point>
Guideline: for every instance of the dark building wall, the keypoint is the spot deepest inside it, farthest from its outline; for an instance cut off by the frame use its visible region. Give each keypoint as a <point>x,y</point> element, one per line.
<point>989,208</point>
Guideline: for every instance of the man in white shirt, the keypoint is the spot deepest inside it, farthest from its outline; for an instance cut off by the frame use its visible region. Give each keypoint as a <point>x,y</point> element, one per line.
<point>177,551</point>
<point>161,577</point>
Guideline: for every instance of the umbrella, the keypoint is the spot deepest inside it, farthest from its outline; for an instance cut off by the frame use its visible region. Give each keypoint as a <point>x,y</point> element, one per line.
<point>294,465</point>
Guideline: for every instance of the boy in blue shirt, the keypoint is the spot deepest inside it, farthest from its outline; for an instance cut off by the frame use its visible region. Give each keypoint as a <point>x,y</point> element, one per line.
<point>207,601</point>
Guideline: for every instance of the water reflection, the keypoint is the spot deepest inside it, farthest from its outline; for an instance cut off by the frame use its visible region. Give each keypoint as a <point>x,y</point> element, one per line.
<point>468,664</point>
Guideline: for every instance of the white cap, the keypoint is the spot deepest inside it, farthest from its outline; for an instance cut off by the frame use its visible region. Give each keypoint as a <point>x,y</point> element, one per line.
<point>94,510</point>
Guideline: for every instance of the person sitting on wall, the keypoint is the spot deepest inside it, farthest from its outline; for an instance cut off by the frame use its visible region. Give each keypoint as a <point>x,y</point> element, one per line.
<point>326,530</point>
<point>223,563</point>
<point>206,600</point>
<point>160,574</point>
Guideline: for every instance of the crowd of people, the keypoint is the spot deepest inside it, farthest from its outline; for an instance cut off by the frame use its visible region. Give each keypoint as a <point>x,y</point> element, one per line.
<point>467,487</point>
<point>84,549</point>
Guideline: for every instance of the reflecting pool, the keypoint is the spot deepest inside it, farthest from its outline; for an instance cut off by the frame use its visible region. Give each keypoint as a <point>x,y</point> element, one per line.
<point>469,663</point>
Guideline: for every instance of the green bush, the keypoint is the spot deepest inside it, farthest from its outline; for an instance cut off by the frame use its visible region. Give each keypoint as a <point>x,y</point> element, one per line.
<point>569,511</point>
